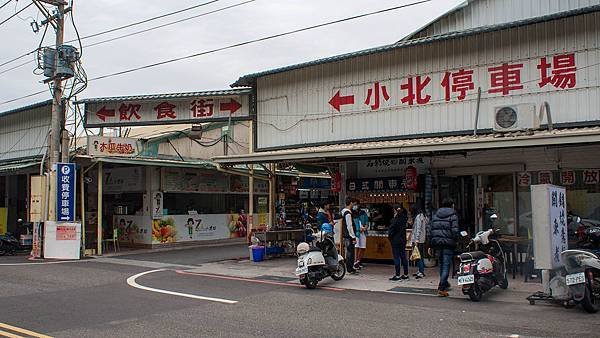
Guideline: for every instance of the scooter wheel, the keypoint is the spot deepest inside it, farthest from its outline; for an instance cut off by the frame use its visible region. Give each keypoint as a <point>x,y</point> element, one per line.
<point>311,283</point>
<point>475,293</point>
<point>532,302</point>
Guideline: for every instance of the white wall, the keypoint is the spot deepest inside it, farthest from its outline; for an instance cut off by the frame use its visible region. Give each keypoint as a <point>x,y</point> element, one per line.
<point>293,108</point>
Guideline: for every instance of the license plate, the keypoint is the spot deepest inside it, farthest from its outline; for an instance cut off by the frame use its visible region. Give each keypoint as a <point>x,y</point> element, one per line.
<point>468,279</point>
<point>301,271</point>
<point>576,278</point>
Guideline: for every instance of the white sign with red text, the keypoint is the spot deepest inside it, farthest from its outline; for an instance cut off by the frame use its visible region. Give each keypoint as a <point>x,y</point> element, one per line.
<point>165,111</point>
<point>100,146</point>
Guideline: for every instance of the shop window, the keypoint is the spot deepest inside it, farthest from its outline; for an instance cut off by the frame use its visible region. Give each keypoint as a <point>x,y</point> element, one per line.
<point>499,199</point>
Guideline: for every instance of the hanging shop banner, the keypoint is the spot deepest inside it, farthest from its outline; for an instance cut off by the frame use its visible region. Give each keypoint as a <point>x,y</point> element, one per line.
<point>388,167</point>
<point>375,184</point>
<point>240,184</point>
<point>549,219</point>
<point>129,179</point>
<point>193,180</point>
<point>199,109</point>
<point>157,204</point>
<point>101,146</point>
<point>65,191</point>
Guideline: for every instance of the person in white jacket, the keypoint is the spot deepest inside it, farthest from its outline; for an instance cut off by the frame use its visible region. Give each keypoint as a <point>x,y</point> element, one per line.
<point>418,238</point>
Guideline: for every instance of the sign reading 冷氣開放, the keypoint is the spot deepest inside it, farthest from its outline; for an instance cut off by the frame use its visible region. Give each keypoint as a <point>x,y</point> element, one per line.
<point>100,146</point>
<point>65,192</point>
<point>166,110</point>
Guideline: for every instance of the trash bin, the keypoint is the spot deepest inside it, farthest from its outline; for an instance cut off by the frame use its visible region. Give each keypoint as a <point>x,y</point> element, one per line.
<point>258,253</point>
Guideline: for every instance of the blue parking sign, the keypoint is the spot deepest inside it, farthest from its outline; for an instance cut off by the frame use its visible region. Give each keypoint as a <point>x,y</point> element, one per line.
<point>65,191</point>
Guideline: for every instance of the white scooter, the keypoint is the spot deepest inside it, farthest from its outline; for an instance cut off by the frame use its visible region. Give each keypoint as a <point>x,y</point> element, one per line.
<point>317,262</point>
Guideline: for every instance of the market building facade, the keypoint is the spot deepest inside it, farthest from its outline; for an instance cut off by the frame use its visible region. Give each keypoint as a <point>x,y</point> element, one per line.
<point>148,169</point>
<point>23,145</point>
<point>482,103</point>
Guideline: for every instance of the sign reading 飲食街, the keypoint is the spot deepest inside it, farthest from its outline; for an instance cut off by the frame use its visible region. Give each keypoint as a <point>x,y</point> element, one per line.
<point>65,191</point>
<point>166,110</point>
<point>99,146</point>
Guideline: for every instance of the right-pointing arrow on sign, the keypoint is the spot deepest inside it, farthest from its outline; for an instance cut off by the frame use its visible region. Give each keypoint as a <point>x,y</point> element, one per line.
<point>337,100</point>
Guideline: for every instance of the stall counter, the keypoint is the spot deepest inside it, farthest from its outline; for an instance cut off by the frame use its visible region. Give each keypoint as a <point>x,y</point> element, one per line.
<point>378,245</point>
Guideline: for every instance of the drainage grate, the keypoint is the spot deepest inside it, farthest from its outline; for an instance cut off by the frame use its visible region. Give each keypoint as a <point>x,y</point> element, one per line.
<point>414,290</point>
<point>276,278</point>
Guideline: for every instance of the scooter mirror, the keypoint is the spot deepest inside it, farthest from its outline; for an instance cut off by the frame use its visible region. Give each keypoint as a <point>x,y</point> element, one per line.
<point>21,220</point>
<point>494,217</point>
<point>578,219</point>
<point>464,233</point>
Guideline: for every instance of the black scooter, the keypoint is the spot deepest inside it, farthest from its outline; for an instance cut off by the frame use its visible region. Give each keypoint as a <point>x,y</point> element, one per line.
<point>10,245</point>
<point>481,271</point>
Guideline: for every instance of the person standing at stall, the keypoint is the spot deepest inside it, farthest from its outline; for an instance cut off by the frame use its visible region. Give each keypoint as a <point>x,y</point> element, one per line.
<point>349,234</point>
<point>419,235</point>
<point>361,221</point>
<point>397,237</point>
<point>324,215</point>
<point>443,234</point>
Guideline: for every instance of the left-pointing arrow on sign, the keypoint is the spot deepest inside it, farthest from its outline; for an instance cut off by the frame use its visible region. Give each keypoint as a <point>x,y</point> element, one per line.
<point>337,100</point>
<point>103,113</point>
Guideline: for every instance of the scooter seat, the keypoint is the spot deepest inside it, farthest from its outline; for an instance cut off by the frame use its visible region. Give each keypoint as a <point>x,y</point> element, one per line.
<point>471,256</point>
<point>314,249</point>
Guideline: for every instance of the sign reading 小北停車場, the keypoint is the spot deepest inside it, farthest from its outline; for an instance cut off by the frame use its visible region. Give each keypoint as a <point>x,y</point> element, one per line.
<point>165,110</point>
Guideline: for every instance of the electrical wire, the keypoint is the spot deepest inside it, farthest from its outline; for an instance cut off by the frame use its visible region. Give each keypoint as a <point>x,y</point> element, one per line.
<point>76,31</point>
<point>6,3</point>
<point>270,37</point>
<point>17,66</point>
<point>169,24</point>
<point>16,13</point>
<point>117,28</point>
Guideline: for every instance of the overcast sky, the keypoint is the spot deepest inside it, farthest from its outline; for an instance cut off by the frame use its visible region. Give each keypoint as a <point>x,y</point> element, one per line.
<point>215,71</point>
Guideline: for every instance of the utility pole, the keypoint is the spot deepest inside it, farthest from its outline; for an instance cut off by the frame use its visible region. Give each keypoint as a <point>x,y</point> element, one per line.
<point>58,113</point>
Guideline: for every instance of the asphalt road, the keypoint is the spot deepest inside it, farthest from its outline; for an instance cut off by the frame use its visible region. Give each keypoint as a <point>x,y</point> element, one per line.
<point>93,299</point>
<point>193,256</point>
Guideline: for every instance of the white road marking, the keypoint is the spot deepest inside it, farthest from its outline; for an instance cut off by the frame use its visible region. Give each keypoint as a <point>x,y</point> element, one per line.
<point>42,263</point>
<point>131,282</point>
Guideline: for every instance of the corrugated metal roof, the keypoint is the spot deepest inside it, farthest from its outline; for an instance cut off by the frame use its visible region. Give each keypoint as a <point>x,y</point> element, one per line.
<point>11,166</point>
<point>424,27</point>
<point>421,145</point>
<point>25,108</point>
<point>249,80</point>
<point>225,92</point>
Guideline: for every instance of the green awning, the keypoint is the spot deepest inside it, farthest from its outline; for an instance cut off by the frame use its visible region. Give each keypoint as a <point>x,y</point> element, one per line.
<point>15,166</point>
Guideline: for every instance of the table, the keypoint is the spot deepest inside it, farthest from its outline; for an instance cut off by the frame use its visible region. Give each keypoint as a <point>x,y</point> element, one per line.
<point>514,241</point>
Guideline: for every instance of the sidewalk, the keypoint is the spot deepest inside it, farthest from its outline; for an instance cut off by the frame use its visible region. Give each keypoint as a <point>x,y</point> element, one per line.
<point>126,251</point>
<point>374,277</point>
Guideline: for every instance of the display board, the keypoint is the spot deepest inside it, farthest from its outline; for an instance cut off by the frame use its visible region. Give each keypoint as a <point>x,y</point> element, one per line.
<point>193,180</point>
<point>62,240</point>
<point>549,219</point>
<point>129,179</point>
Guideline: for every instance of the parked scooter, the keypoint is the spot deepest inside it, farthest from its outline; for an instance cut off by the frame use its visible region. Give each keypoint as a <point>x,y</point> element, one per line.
<point>481,271</point>
<point>582,278</point>
<point>10,245</point>
<point>321,260</point>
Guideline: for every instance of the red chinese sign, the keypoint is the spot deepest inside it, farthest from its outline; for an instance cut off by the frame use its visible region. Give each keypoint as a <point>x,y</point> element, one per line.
<point>66,233</point>
<point>112,146</point>
<point>545,177</point>
<point>591,176</point>
<point>558,71</point>
<point>166,111</point>
<point>567,177</point>
<point>524,179</point>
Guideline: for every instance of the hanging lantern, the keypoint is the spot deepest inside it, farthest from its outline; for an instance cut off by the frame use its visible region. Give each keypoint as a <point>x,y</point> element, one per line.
<point>410,178</point>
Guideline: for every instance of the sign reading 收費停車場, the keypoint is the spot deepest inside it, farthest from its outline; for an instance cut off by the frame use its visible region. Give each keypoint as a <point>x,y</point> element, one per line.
<point>165,110</point>
<point>65,191</point>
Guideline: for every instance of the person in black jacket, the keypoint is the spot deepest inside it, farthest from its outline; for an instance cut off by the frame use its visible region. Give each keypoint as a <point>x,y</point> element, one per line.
<point>443,234</point>
<point>397,237</point>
